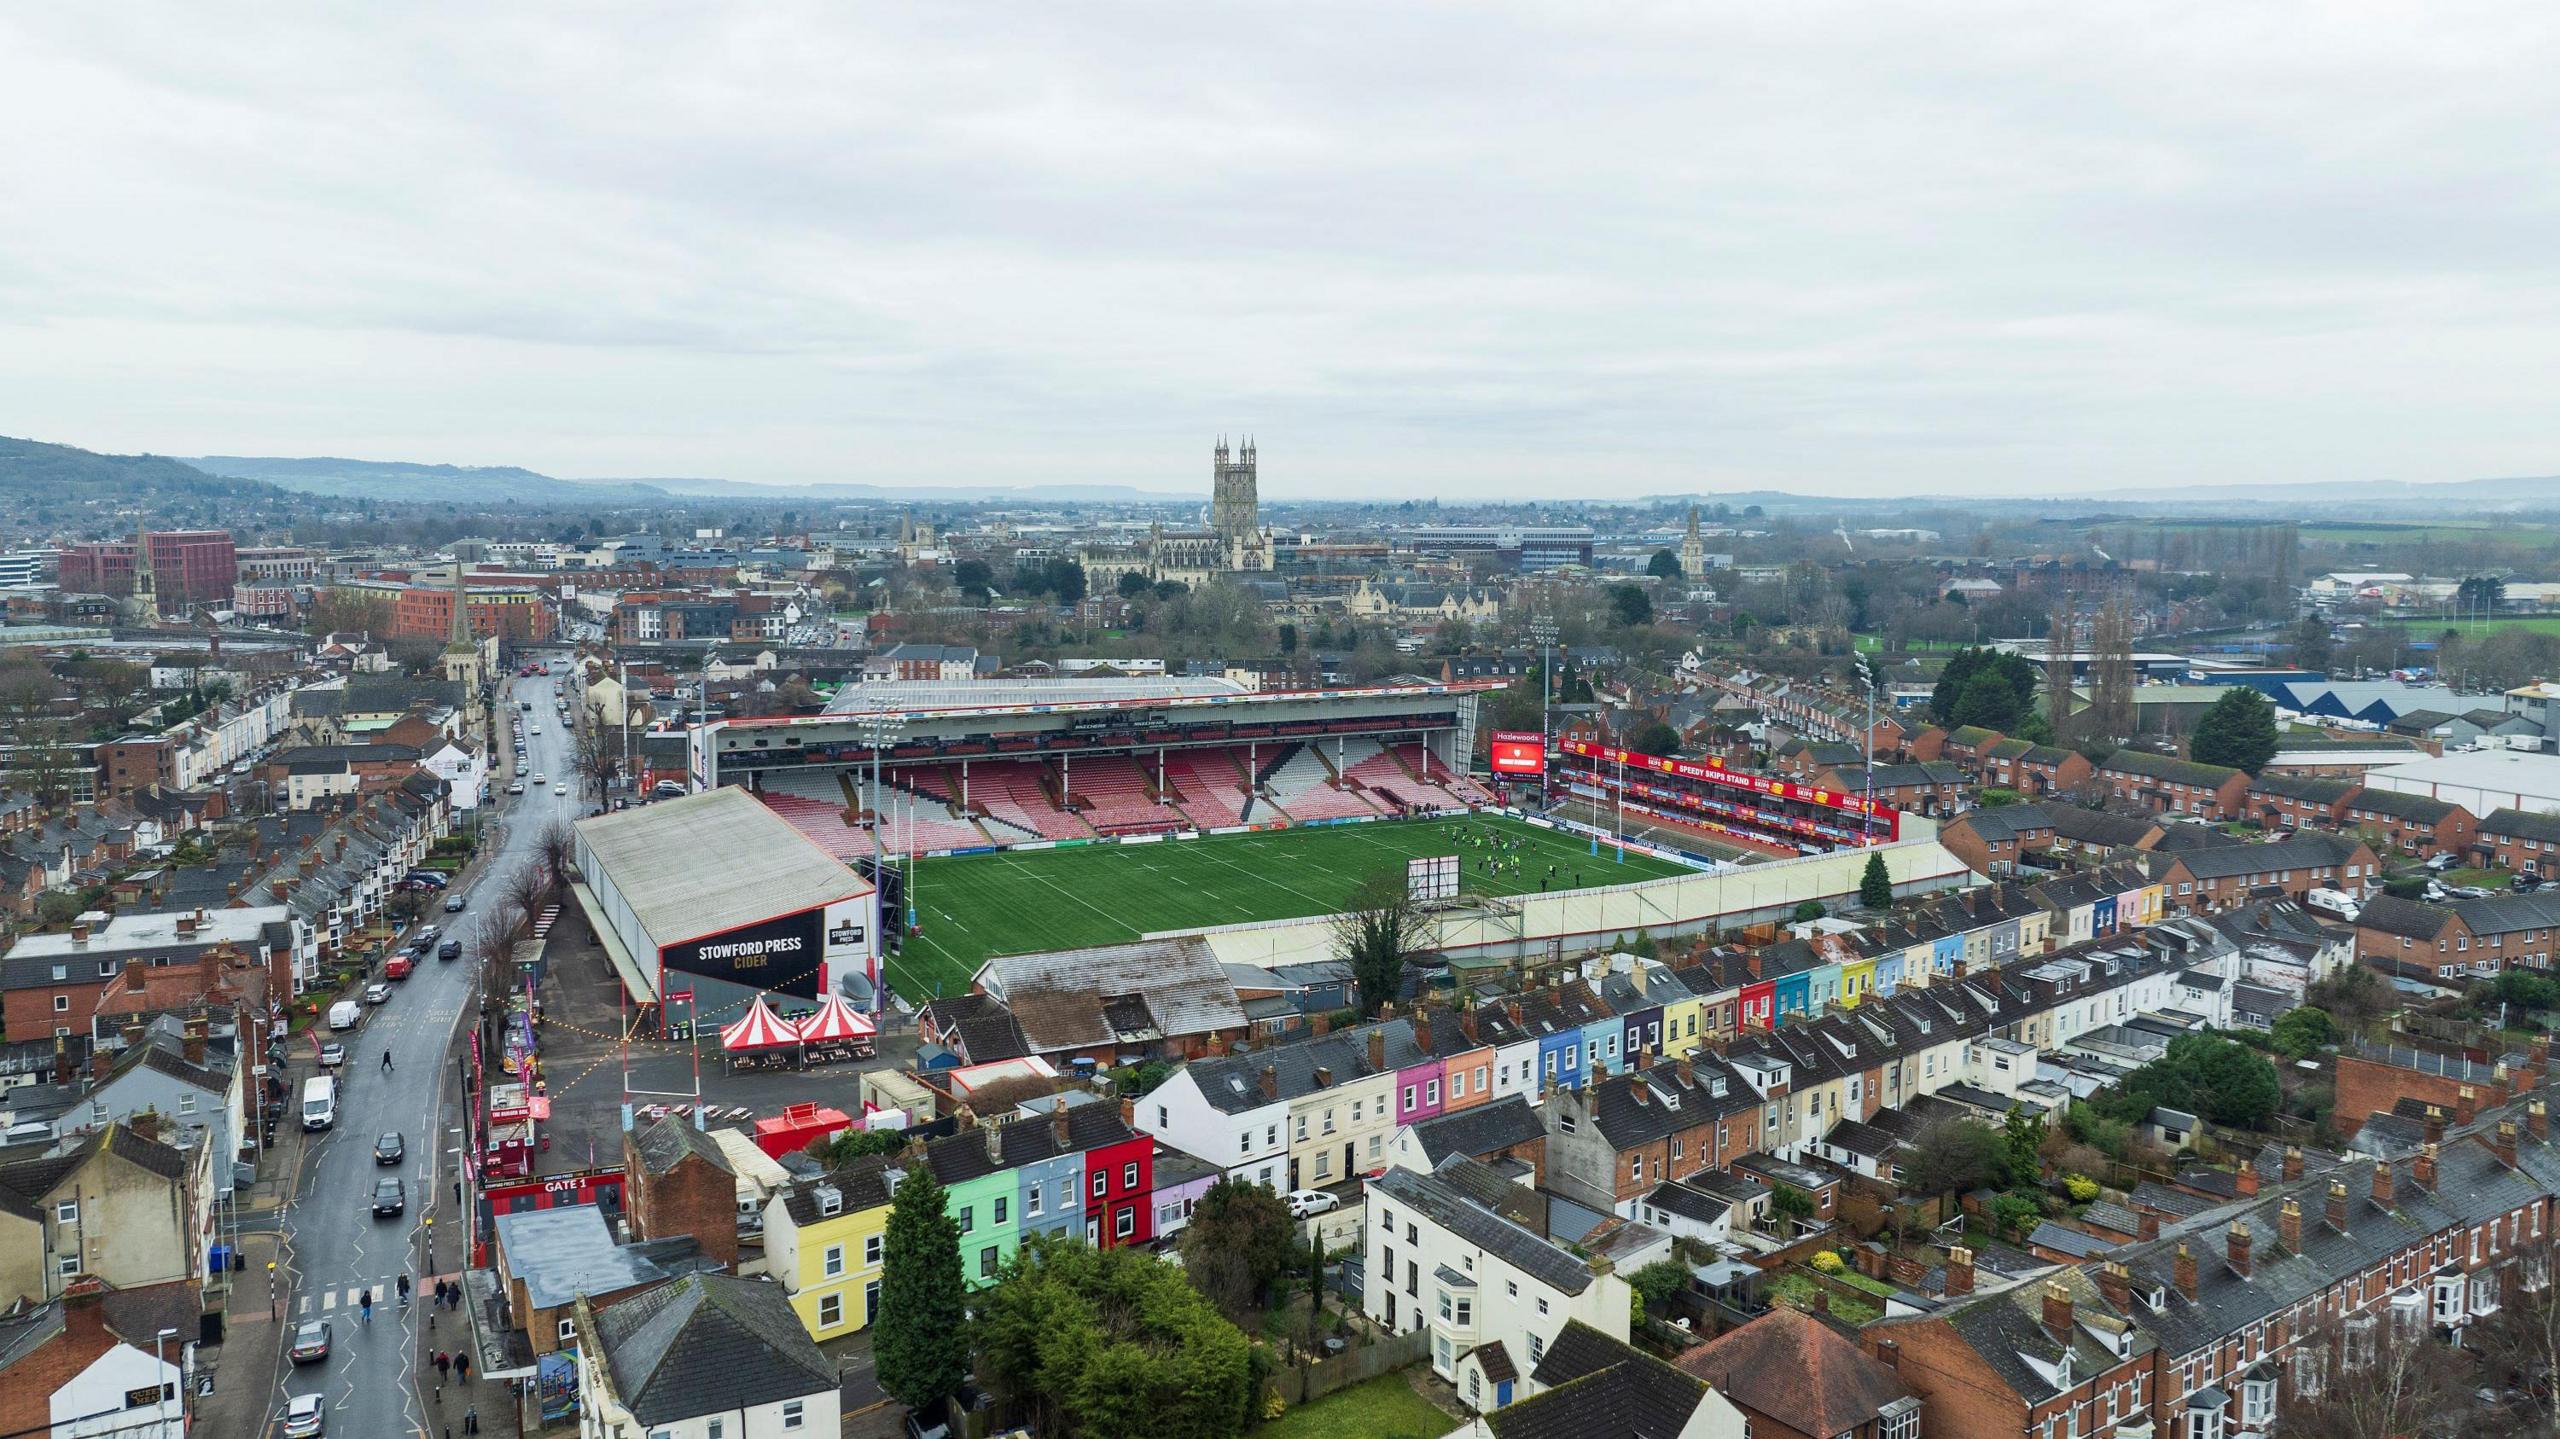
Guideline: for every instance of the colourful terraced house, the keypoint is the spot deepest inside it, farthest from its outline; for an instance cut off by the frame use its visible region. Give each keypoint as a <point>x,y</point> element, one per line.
<point>823,1243</point>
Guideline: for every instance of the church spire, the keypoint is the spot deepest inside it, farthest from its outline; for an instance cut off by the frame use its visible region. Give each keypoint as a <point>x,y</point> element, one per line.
<point>146,583</point>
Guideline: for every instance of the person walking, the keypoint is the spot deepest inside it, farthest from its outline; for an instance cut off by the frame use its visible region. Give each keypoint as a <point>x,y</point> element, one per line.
<point>444,1368</point>
<point>404,1291</point>
<point>462,1366</point>
<point>364,1302</point>
<point>386,1061</point>
<point>471,1420</point>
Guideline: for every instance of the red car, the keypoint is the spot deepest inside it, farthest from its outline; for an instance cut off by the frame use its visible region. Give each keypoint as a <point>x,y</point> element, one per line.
<point>396,967</point>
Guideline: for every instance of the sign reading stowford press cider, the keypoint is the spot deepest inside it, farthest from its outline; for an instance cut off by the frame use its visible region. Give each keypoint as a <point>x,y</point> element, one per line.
<point>785,955</point>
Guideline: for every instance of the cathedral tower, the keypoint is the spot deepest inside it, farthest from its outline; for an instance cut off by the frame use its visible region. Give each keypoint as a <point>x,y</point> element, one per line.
<point>1235,512</point>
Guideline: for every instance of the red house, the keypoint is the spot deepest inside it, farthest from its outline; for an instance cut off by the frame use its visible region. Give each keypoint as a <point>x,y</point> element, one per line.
<point>1119,1177</point>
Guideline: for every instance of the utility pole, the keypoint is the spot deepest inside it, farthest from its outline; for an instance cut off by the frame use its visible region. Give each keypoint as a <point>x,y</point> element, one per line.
<point>1543,630</point>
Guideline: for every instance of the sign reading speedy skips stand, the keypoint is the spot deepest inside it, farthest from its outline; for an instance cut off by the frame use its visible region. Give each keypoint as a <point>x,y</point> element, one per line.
<point>786,955</point>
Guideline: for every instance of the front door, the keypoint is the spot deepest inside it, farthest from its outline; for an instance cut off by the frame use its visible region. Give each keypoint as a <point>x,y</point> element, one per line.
<point>1093,1231</point>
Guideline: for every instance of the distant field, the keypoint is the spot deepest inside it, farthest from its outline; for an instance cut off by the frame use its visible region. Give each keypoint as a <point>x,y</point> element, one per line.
<point>975,906</point>
<point>2446,531</point>
<point>2428,627</point>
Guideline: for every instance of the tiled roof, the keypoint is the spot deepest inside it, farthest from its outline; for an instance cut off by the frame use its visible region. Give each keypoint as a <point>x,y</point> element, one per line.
<point>2303,851</point>
<point>1798,1371</point>
<point>1481,1130</point>
<point>1592,1385</point>
<point>2543,825</point>
<point>2165,767</point>
<point>1446,1205</point>
<point>2405,917</point>
<point>663,1145</point>
<point>709,1344</point>
<point>2415,808</point>
<point>2309,789</point>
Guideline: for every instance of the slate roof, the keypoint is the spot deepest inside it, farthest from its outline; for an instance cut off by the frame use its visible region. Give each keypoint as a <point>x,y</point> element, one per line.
<point>863,1184</point>
<point>1669,1105</point>
<point>1479,1131</point>
<point>1058,997</point>
<point>1798,1371</point>
<point>709,1344</point>
<point>2308,789</point>
<point>1444,1204</point>
<point>2303,851</point>
<point>1689,1201</point>
<point>2414,808</point>
<point>559,1254</point>
<point>663,1145</point>
<point>1593,1385</point>
<point>985,1028</point>
<point>2006,1327</point>
<point>2543,825</point>
<point>2061,1239</point>
<point>959,1158</point>
<point>2408,918</point>
<point>2508,913</point>
<point>2167,768</point>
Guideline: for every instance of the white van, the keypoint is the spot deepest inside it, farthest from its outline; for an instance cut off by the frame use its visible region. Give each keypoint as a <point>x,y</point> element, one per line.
<point>319,1102</point>
<point>345,1014</point>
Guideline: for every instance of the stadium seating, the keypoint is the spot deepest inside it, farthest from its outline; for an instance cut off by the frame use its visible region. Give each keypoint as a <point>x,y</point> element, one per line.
<point>1463,788</point>
<point>1384,774</point>
<point>1114,794</point>
<point>1210,783</point>
<point>1302,786</point>
<point>1012,791</point>
<point>820,821</point>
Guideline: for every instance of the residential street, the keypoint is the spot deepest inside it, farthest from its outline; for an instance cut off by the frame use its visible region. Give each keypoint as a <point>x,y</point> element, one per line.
<point>337,1248</point>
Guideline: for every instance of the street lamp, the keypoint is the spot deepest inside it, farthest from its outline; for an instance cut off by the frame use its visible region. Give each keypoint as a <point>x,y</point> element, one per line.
<point>160,1413</point>
<point>1542,628</point>
<point>1867,751</point>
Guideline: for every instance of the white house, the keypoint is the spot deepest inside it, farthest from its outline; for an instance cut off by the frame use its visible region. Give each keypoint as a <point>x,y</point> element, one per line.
<point>707,1356</point>
<point>1442,1254</point>
<point>125,1392</point>
<point>1232,1122</point>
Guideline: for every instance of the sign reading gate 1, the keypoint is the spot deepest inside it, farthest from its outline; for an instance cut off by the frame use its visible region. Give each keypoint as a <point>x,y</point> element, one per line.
<point>1432,877</point>
<point>1519,752</point>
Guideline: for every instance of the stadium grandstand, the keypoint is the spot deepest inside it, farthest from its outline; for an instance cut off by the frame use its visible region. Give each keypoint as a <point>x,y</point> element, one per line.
<point>1768,814</point>
<point>936,768</point>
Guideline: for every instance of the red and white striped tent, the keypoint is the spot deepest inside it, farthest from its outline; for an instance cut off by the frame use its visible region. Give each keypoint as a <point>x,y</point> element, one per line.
<point>761,1028</point>
<point>836,1022</point>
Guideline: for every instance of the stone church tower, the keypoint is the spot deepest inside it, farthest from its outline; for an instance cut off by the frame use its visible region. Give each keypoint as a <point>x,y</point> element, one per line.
<point>1693,549</point>
<point>1235,509</point>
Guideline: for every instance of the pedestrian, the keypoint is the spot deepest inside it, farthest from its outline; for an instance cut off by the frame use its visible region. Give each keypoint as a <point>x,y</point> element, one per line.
<point>462,1367</point>
<point>404,1291</point>
<point>471,1420</point>
<point>444,1367</point>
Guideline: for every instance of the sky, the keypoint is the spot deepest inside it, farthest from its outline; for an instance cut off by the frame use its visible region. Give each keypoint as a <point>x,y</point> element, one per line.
<point>1476,250</point>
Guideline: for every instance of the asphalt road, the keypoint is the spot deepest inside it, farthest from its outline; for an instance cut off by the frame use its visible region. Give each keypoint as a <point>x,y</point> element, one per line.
<point>338,1248</point>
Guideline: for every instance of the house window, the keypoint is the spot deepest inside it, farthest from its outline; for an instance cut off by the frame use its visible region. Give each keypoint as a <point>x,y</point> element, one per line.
<point>1031,1202</point>
<point>871,1249</point>
<point>1001,1205</point>
<point>1160,1117</point>
<point>794,1413</point>
<point>67,1212</point>
<point>1126,1224</point>
<point>1466,1310</point>
<point>568,1331</point>
<point>830,1310</point>
<point>62,1004</point>
<point>1408,1096</point>
<point>1537,1349</point>
<point>2204,1424</point>
<point>1129,1177</point>
<point>2257,1401</point>
<point>1899,1420</point>
<point>968,1217</point>
<point>1101,1182</point>
<point>834,1264</point>
<point>987,1262</point>
<point>1431,1092</point>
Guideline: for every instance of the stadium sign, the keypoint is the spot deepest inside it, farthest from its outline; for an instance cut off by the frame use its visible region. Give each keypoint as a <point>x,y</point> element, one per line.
<point>784,954</point>
<point>1715,772</point>
<point>1519,752</point>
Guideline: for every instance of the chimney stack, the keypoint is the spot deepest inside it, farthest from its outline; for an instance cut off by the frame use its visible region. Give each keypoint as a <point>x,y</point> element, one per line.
<point>2466,1105</point>
<point>2425,1169</point>
<point>2289,1227</point>
<point>144,1122</point>
<point>994,1134</point>
<point>2434,1125</point>
<point>1377,1051</point>
<point>2504,1146</point>
<point>1959,1271</point>
<point>1058,1125</point>
<point>1320,1025</point>
<point>2245,1183</point>
<point>1889,1354</point>
<point>2057,1311</point>
<point>1688,1072</point>
<point>2337,1211</point>
<point>1422,1029</point>
<point>193,1045</point>
<point>2150,1220</point>
<point>2182,1271</point>
<point>1511,1008</point>
<point>2115,1283</point>
<point>2537,1118</point>
<point>2292,1162</point>
<point>79,931</point>
<point>1467,1025</point>
<point>1270,1082</point>
<point>2235,1247</point>
<point>2383,1197</point>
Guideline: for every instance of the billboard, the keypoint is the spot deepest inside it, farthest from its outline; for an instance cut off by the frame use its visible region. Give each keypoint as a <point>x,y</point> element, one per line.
<point>785,954</point>
<point>852,931</point>
<point>1432,877</point>
<point>1519,752</point>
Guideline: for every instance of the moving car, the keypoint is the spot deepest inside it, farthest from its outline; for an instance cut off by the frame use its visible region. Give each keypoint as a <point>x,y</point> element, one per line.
<point>453,905</point>
<point>450,949</point>
<point>389,1198</point>
<point>516,788</point>
<point>559,789</point>
<point>390,1148</point>
<point>377,993</point>
<point>1304,1203</point>
<point>311,1342</point>
<point>539,779</point>
<point>305,1417</point>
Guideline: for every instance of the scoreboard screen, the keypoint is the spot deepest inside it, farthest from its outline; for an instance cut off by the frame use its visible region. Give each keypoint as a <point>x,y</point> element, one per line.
<point>1519,752</point>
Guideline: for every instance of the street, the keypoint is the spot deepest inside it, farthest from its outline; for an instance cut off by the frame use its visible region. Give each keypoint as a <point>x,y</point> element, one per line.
<point>336,1248</point>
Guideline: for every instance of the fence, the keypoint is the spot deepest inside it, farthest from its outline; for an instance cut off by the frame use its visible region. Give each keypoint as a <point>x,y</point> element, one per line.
<point>1299,1384</point>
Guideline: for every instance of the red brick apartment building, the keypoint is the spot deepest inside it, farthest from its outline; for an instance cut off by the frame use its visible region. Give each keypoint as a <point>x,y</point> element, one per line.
<point>425,611</point>
<point>185,565</point>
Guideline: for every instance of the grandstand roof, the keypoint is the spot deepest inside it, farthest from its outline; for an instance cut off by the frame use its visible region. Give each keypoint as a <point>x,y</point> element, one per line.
<point>711,862</point>
<point>900,695</point>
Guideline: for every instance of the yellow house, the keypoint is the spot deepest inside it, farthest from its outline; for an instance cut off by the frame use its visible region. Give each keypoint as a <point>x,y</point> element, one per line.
<point>823,1242</point>
<point>1683,1031</point>
<point>1857,981</point>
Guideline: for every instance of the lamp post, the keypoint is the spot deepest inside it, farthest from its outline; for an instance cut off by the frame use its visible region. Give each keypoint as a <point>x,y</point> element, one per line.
<point>1543,630</point>
<point>1867,753</point>
<point>160,1410</point>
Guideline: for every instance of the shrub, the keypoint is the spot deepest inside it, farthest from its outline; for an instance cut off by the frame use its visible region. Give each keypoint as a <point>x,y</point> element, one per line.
<point>2080,1187</point>
<point>1828,1262</point>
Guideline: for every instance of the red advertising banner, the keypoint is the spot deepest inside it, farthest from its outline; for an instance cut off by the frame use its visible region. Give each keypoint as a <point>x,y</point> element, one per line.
<point>1519,752</point>
<point>1715,772</point>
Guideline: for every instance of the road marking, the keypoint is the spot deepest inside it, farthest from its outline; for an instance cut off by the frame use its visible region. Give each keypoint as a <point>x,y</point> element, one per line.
<point>328,1301</point>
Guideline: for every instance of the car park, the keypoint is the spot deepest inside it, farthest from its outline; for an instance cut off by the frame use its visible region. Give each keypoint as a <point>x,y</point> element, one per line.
<point>311,1342</point>
<point>377,993</point>
<point>390,1148</point>
<point>1306,1203</point>
<point>389,1198</point>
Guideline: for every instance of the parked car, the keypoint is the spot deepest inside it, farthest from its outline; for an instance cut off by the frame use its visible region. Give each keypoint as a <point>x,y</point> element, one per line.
<point>390,1148</point>
<point>311,1342</point>
<point>332,1055</point>
<point>389,1198</point>
<point>377,993</point>
<point>2442,862</point>
<point>1306,1203</point>
<point>305,1417</point>
<point>516,788</point>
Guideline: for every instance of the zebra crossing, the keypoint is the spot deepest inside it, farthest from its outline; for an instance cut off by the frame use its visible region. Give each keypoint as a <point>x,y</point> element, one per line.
<point>349,1298</point>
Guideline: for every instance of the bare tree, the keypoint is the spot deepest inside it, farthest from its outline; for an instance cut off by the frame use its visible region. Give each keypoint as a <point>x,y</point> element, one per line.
<point>1376,931</point>
<point>2378,1375</point>
<point>556,850</point>
<point>521,897</point>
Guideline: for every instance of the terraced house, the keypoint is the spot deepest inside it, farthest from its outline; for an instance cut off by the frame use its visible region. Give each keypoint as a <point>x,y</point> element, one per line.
<point>2411,823</point>
<point>2519,841</point>
<point>2220,876</point>
<point>2166,785</point>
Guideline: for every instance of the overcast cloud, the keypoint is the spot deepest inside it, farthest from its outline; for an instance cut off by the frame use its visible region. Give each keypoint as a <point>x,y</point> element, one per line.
<point>1474,249</point>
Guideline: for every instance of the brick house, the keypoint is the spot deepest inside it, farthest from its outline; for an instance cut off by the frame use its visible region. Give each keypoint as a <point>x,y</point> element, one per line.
<point>2220,876</point>
<point>681,1182</point>
<point>1609,1144</point>
<point>2415,823</point>
<point>2519,841</point>
<point>2465,937</point>
<point>2163,784</point>
<point>2033,770</point>
<point>1795,1377</point>
<point>2058,1356</point>
<point>1929,787</point>
<point>1992,841</point>
<point>2293,801</point>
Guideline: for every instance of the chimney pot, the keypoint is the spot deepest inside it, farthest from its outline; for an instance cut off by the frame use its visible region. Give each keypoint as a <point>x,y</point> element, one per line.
<point>2289,1227</point>
<point>2182,1271</point>
<point>2236,1245</point>
<point>2504,1146</point>
<point>1959,1271</point>
<point>2057,1311</point>
<point>2292,1162</point>
<point>2425,1168</point>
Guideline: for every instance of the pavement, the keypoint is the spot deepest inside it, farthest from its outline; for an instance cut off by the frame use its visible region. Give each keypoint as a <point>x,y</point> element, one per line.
<point>310,1214</point>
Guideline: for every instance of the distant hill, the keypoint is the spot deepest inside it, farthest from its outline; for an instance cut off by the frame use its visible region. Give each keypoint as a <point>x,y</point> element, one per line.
<point>61,472</point>
<point>497,484</point>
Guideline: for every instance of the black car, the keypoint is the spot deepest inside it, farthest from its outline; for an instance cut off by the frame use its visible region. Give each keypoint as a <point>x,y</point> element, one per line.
<point>450,949</point>
<point>390,1148</point>
<point>389,1198</point>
